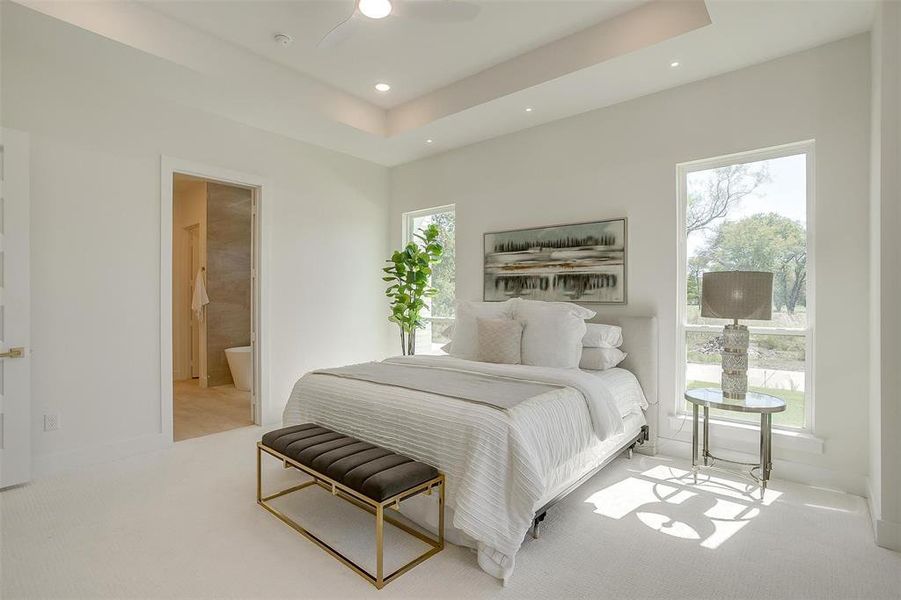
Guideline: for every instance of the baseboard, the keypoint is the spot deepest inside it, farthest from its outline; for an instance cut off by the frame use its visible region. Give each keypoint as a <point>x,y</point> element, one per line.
<point>46,465</point>
<point>790,471</point>
<point>871,505</point>
<point>888,535</point>
<point>648,448</point>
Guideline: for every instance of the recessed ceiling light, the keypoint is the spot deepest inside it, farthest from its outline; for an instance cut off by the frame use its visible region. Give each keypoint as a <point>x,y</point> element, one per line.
<point>375,9</point>
<point>382,87</point>
<point>428,141</point>
<point>674,64</point>
<point>529,109</point>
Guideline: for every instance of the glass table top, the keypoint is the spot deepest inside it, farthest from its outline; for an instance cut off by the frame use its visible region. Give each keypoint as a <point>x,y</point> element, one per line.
<point>753,402</point>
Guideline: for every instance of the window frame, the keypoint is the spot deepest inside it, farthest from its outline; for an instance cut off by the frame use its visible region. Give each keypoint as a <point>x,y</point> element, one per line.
<point>408,217</point>
<point>407,231</point>
<point>808,149</point>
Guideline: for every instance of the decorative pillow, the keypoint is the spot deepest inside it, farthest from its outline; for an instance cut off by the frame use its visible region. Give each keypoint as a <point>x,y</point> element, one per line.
<point>601,359</point>
<point>465,343</point>
<point>500,341</point>
<point>602,336</point>
<point>553,332</point>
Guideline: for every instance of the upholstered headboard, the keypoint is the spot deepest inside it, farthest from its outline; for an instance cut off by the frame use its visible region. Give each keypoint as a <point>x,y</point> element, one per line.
<point>640,343</point>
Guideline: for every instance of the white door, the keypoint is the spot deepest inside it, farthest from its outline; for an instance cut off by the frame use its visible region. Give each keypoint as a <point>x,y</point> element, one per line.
<point>15,323</point>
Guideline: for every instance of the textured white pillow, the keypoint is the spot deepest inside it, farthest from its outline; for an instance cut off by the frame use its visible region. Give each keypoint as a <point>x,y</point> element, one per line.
<point>465,343</point>
<point>553,332</point>
<point>601,359</point>
<point>603,336</point>
<point>500,341</point>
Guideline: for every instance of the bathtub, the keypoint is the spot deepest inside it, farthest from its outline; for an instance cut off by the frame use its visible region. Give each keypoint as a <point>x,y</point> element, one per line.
<point>241,366</point>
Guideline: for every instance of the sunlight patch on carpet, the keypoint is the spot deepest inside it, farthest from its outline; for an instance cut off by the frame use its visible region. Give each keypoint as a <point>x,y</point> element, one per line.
<point>666,500</point>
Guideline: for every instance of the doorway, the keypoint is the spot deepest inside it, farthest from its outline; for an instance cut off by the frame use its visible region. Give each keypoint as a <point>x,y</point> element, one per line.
<point>214,257</point>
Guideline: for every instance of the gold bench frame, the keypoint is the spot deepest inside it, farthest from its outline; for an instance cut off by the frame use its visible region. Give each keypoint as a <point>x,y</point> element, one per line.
<point>379,580</point>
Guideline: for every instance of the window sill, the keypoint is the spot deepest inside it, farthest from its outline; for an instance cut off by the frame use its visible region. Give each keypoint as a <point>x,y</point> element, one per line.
<point>745,437</point>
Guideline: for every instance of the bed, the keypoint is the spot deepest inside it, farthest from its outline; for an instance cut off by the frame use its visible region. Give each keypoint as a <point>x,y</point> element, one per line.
<point>504,466</point>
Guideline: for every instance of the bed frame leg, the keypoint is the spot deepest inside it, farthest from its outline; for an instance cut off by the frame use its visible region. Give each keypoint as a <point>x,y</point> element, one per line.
<point>536,525</point>
<point>642,438</point>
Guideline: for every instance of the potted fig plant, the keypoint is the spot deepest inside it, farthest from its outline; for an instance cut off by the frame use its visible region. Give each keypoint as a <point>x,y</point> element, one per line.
<point>409,274</point>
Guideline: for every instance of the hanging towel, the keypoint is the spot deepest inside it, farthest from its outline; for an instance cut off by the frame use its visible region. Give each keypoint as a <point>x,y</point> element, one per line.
<point>199,299</point>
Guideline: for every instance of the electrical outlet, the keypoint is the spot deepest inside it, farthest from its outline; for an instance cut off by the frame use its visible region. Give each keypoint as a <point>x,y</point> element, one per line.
<point>51,422</point>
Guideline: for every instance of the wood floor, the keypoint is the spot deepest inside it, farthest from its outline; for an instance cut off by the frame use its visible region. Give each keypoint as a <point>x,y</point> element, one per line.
<point>201,411</point>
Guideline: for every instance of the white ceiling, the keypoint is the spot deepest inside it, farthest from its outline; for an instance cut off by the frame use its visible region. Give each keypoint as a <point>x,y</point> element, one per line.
<point>453,83</point>
<point>414,56</point>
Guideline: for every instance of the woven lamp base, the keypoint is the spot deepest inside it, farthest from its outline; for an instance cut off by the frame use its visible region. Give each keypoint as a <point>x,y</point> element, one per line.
<point>734,381</point>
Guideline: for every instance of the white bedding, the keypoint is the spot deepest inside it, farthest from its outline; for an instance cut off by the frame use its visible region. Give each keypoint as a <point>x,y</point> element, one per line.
<point>501,465</point>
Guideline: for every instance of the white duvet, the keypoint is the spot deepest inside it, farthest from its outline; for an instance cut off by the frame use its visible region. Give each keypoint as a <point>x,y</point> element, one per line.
<point>501,465</point>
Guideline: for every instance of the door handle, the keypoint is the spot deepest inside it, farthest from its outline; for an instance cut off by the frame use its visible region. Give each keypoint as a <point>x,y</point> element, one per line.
<point>13,353</point>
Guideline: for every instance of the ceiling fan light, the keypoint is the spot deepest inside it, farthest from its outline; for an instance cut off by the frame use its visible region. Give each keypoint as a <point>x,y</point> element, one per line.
<point>375,9</point>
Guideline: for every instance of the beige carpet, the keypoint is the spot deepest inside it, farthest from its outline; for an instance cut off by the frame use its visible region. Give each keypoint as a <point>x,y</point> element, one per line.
<point>201,411</point>
<point>183,523</point>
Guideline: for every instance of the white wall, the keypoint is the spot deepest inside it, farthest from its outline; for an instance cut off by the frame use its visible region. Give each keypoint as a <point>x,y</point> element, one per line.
<point>885,278</point>
<point>620,161</point>
<point>95,238</point>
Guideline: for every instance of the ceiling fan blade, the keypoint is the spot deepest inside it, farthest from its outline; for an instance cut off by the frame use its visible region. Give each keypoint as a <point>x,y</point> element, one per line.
<point>446,11</point>
<point>340,32</point>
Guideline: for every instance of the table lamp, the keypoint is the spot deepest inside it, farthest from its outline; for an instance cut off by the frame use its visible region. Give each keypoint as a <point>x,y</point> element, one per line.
<point>736,295</point>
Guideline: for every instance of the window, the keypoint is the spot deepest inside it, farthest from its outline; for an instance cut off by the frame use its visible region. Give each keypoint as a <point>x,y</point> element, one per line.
<point>439,318</point>
<point>750,212</point>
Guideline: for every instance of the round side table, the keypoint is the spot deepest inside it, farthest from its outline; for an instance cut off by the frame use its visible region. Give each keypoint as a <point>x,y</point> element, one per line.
<point>753,402</point>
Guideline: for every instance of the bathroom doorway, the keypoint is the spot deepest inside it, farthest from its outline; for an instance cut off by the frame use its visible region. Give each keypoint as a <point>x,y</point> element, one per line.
<point>213,308</point>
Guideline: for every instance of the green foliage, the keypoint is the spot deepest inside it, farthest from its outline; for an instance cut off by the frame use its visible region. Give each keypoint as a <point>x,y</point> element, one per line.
<point>762,242</point>
<point>444,273</point>
<point>409,277</point>
<point>695,264</point>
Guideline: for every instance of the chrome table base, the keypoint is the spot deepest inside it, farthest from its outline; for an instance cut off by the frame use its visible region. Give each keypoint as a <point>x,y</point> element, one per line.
<point>763,467</point>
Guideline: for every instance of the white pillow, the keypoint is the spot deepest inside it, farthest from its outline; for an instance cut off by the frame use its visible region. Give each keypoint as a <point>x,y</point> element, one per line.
<point>574,309</point>
<point>553,332</point>
<point>603,336</point>
<point>601,359</point>
<point>500,341</point>
<point>465,342</point>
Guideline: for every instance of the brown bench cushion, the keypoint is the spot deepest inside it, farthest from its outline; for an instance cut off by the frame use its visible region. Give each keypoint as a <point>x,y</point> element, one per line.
<point>375,472</point>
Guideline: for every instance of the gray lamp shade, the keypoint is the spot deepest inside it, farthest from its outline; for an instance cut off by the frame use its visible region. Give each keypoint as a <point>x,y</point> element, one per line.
<point>737,295</point>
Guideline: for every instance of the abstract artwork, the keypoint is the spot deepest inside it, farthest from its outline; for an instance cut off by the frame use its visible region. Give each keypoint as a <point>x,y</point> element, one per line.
<point>585,262</point>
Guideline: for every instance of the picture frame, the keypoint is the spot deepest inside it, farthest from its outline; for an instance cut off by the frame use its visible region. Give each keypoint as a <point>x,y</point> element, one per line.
<point>576,262</point>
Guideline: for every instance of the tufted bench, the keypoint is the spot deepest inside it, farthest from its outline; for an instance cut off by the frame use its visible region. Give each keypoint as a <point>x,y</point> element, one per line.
<point>364,474</point>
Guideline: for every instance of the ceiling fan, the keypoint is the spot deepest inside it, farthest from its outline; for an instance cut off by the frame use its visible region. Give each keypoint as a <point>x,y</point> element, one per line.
<point>440,11</point>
